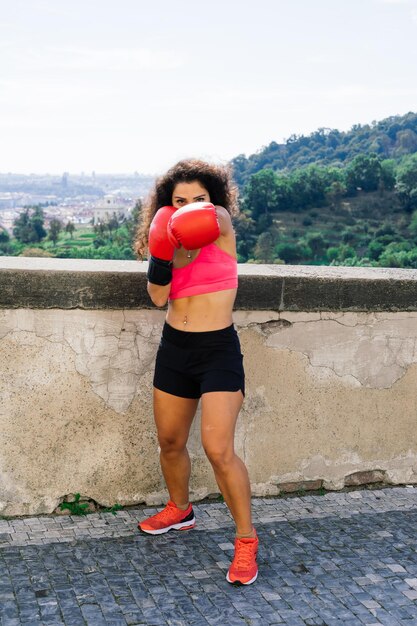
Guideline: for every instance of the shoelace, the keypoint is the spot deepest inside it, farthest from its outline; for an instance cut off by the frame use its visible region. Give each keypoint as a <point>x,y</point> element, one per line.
<point>244,554</point>
<point>166,513</point>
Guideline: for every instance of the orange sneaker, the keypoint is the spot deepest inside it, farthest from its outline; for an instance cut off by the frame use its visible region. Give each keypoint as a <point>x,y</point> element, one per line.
<point>244,569</point>
<point>171,517</point>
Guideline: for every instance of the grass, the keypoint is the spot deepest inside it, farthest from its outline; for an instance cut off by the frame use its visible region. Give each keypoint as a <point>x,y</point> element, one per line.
<point>76,507</point>
<point>82,508</point>
<point>81,237</point>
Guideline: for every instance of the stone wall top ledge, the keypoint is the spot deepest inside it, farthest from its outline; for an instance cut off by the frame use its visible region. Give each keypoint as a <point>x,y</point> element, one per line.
<point>96,284</point>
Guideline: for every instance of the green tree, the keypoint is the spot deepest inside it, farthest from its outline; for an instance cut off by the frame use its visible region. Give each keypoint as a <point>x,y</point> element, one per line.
<point>4,236</point>
<point>23,229</point>
<point>291,252</point>
<point>37,220</point>
<point>112,223</point>
<point>264,249</point>
<point>348,236</point>
<point>406,142</point>
<point>55,227</point>
<point>388,174</point>
<point>5,247</point>
<point>364,172</point>
<point>100,229</point>
<point>407,182</point>
<point>412,227</point>
<point>396,254</point>
<point>69,228</point>
<point>245,229</point>
<point>375,249</point>
<point>99,242</point>
<point>317,245</point>
<point>332,254</point>
<point>133,220</point>
<point>335,193</point>
<point>307,187</point>
<point>260,193</point>
<point>338,255</point>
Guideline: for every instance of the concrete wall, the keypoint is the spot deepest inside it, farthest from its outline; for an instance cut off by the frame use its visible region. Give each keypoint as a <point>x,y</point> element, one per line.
<point>331,368</point>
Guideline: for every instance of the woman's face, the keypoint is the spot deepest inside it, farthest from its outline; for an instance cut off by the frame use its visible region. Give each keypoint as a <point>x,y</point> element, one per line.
<point>186,193</point>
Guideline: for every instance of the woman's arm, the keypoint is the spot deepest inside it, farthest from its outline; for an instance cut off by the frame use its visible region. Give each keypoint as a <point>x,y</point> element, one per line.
<point>161,255</point>
<point>158,293</point>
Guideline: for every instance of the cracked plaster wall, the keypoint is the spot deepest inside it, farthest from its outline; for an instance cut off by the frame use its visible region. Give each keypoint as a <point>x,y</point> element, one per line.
<point>328,395</point>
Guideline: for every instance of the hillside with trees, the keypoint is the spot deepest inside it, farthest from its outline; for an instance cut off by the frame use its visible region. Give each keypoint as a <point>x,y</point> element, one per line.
<point>352,202</point>
<point>391,138</point>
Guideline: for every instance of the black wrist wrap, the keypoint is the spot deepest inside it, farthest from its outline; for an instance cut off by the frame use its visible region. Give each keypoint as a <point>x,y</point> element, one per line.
<point>159,271</point>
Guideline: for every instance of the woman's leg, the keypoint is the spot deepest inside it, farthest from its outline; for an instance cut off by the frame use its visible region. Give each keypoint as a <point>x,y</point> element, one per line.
<point>218,420</point>
<point>173,418</point>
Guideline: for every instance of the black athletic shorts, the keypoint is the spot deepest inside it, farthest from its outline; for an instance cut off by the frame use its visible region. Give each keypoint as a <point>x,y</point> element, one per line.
<point>189,364</point>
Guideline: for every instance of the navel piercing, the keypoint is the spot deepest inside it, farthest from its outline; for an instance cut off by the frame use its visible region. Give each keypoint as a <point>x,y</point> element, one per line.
<point>189,254</point>
<point>185,320</point>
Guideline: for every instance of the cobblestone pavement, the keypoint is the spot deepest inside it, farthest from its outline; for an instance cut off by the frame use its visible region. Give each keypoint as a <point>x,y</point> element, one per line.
<point>342,558</point>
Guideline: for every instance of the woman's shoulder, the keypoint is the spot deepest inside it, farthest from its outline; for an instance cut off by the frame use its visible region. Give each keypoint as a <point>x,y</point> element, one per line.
<point>225,221</point>
<point>227,239</point>
<point>223,213</point>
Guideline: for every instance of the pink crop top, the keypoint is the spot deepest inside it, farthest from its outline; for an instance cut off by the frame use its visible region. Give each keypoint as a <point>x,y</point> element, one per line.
<point>213,269</point>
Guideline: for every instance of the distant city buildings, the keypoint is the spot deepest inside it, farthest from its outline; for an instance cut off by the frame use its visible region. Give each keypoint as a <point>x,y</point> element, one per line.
<point>71,197</point>
<point>109,206</point>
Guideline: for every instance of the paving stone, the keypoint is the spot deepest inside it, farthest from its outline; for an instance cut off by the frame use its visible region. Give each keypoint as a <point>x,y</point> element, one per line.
<point>344,558</point>
<point>411,594</point>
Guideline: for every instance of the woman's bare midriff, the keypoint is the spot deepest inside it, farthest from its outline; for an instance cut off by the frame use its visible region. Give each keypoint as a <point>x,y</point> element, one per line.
<point>209,311</point>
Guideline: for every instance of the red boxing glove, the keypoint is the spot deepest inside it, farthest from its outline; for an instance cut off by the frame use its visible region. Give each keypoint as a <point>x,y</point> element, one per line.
<point>194,226</point>
<point>159,245</point>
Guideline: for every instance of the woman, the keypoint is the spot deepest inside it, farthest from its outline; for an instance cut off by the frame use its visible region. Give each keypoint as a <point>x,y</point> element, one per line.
<point>193,267</point>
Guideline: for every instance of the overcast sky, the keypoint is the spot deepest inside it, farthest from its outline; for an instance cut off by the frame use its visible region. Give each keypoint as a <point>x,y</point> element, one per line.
<point>125,85</point>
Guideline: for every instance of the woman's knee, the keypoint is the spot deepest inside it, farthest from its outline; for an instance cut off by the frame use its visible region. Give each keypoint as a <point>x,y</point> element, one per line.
<point>220,456</point>
<point>171,443</point>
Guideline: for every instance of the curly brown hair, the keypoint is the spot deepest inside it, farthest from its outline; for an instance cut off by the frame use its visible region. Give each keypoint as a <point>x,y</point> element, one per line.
<point>217,179</point>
